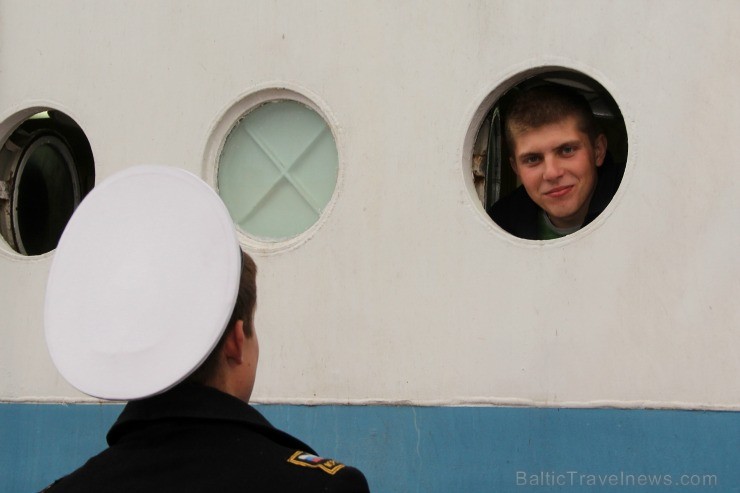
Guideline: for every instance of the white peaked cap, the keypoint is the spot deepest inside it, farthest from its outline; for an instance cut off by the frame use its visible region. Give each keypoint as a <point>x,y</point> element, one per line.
<point>143,283</point>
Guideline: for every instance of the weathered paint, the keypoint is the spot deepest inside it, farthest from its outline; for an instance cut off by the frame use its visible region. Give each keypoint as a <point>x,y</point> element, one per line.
<point>408,292</point>
<point>432,449</point>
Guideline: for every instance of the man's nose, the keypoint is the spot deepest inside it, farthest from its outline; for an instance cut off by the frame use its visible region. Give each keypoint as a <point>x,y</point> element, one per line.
<point>552,169</point>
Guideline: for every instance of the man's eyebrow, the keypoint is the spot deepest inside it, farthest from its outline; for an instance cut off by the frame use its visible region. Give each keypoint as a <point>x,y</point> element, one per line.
<point>526,154</point>
<point>571,143</point>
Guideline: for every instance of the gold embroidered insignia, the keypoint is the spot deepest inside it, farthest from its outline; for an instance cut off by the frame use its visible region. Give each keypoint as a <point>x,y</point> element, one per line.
<point>304,459</point>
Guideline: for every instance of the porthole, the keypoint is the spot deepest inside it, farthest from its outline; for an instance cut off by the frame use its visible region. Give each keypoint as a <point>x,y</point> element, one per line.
<point>539,202</point>
<point>277,170</point>
<point>46,168</point>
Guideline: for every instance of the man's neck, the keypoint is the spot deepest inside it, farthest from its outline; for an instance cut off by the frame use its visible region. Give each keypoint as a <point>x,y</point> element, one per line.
<point>548,231</point>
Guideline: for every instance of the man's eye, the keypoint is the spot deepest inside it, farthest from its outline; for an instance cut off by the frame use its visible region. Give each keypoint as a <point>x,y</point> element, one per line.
<point>531,160</point>
<point>567,150</point>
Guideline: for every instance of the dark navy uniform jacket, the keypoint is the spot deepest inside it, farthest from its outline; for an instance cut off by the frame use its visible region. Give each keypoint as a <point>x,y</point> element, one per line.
<point>194,438</point>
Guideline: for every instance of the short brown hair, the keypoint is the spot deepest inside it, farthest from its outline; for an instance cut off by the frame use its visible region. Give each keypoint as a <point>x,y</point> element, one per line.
<point>546,104</point>
<point>246,299</point>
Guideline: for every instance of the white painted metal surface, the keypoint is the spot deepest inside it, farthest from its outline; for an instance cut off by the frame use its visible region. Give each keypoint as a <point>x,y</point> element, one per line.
<point>407,291</point>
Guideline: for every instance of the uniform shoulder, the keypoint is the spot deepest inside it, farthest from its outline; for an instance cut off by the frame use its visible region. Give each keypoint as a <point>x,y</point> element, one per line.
<point>335,476</point>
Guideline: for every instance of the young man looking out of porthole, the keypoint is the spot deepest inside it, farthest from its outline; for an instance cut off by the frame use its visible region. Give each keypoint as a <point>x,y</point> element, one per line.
<point>560,156</point>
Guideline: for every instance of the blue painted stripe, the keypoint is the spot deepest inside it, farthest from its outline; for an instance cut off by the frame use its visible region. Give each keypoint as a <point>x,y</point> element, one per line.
<point>436,449</point>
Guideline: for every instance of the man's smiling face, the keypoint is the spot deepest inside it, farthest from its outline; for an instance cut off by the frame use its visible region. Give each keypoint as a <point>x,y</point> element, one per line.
<point>557,165</point>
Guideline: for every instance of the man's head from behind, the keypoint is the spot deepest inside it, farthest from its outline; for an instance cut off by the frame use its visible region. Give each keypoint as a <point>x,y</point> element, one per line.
<point>555,147</point>
<point>232,364</point>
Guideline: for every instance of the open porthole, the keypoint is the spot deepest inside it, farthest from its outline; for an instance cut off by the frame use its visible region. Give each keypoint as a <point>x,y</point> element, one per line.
<point>561,161</point>
<point>46,169</point>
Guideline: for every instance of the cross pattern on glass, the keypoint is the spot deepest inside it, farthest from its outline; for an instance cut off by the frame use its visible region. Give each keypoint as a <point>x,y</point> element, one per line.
<point>284,171</point>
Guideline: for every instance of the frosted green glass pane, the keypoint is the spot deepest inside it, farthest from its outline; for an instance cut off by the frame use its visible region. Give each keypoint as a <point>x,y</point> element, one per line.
<point>277,170</point>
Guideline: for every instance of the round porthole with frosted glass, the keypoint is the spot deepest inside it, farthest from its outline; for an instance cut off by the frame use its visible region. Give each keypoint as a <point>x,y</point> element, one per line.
<point>277,170</point>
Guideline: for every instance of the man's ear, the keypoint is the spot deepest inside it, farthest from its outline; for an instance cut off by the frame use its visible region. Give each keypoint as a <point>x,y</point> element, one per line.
<point>600,149</point>
<point>234,343</point>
